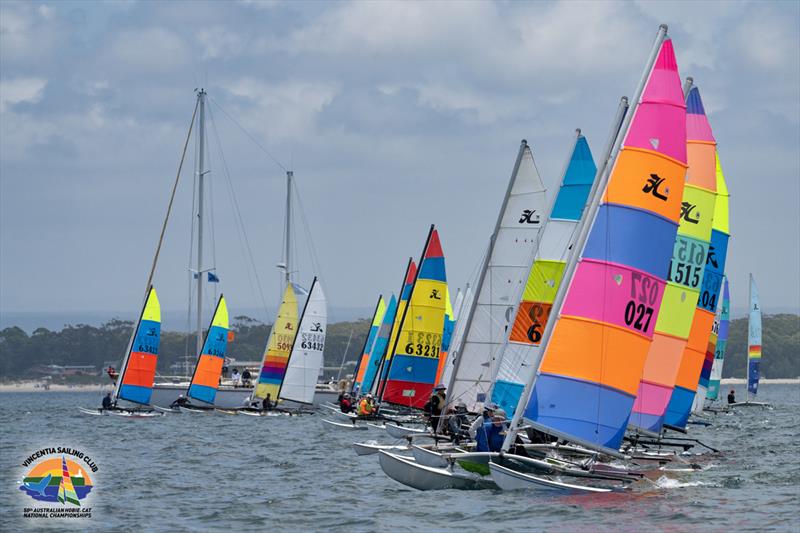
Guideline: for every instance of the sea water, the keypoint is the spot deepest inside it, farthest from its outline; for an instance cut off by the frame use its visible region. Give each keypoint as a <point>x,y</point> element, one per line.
<point>196,472</point>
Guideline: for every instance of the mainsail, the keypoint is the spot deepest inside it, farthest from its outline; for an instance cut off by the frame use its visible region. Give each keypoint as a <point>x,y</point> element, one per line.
<point>416,350</point>
<point>135,383</point>
<point>753,340</point>
<point>364,362</point>
<point>305,357</point>
<point>520,357</point>
<point>208,370</point>
<point>685,278</point>
<point>278,348</point>
<point>688,376</point>
<point>386,357</point>
<point>379,350</point>
<point>723,319</point>
<point>514,239</point>
<point>595,352</point>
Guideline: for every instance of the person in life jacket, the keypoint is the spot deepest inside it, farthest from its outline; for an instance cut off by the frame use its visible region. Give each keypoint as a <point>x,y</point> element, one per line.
<point>477,430</point>
<point>345,403</point>
<point>457,421</point>
<point>108,403</point>
<point>435,405</point>
<point>732,396</point>
<point>366,407</point>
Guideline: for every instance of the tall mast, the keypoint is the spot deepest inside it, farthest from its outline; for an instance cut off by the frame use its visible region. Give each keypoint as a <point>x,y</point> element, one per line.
<point>747,359</point>
<point>201,98</point>
<point>603,175</point>
<point>288,236</point>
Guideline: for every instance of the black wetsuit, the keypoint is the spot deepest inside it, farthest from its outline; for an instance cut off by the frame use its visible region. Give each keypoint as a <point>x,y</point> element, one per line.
<point>107,404</point>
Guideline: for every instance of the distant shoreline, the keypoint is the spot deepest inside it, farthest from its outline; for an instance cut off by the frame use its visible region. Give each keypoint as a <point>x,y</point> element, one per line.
<point>38,386</point>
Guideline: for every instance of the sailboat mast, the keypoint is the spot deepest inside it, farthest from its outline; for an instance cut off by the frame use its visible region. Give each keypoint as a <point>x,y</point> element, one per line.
<point>288,226</point>
<point>601,180</point>
<point>747,359</point>
<point>201,97</point>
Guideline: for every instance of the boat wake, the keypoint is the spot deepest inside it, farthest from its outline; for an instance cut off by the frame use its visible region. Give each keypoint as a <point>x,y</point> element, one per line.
<point>665,482</point>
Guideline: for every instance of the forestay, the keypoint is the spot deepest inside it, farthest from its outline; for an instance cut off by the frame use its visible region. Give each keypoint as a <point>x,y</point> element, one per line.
<point>305,358</point>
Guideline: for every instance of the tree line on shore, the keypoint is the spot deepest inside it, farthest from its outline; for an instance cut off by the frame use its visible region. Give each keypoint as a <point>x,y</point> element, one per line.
<point>82,344</point>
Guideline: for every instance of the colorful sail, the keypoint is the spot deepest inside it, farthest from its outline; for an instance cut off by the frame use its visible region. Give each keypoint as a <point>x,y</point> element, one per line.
<point>412,369</point>
<point>139,370</point>
<point>379,350</point>
<point>405,294</point>
<point>521,355</point>
<point>688,376</point>
<point>723,321</point>
<point>305,359</point>
<point>591,367</point>
<point>364,362</point>
<point>753,340</point>
<point>208,371</point>
<point>279,345</point>
<point>66,489</point>
<point>686,270</point>
<point>514,240</point>
<point>447,335</point>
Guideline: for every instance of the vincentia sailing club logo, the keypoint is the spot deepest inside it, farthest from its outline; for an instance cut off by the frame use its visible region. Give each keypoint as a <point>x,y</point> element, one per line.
<point>60,477</point>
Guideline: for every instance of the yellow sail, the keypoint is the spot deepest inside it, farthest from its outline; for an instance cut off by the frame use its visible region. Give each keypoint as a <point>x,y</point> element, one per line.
<point>276,356</point>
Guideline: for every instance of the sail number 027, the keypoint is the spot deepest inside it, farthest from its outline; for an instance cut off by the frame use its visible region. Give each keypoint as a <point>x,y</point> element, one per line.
<point>640,308</point>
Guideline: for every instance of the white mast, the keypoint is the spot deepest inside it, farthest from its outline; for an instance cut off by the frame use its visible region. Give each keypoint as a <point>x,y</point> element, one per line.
<point>603,174</point>
<point>287,271</point>
<point>201,97</point>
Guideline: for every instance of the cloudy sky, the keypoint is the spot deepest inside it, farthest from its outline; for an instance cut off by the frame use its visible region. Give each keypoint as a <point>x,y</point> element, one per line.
<point>393,116</point>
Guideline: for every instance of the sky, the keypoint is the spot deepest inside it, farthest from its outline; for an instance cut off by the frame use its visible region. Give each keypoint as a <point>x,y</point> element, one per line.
<point>392,116</point>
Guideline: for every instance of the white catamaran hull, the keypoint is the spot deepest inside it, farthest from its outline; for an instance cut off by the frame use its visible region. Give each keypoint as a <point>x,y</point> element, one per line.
<point>406,471</point>
<point>227,397</point>
<point>508,479</point>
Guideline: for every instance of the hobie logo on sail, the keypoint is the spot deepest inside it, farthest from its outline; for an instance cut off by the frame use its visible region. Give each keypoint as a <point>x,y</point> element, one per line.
<point>529,216</point>
<point>652,187</point>
<point>62,479</point>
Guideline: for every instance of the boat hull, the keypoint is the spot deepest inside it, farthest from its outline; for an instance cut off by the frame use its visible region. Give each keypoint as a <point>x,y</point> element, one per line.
<point>508,479</point>
<point>406,471</point>
<point>227,397</point>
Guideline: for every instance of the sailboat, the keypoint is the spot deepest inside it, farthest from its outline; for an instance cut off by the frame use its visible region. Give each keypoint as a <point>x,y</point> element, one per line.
<point>753,349</point>
<point>719,341</point>
<point>369,343</point>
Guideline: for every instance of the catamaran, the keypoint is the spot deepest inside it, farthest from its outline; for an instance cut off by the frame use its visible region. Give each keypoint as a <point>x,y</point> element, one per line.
<point>753,349</point>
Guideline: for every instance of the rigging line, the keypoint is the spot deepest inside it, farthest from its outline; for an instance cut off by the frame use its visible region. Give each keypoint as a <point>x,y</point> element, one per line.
<point>239,221</point>
<point>248,134</point>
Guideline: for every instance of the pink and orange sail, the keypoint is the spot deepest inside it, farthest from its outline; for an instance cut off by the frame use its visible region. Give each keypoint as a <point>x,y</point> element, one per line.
<point>592,365</point>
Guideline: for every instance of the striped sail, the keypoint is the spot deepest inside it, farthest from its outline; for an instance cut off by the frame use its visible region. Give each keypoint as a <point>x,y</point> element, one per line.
<point>364,362</point>
<point>447,335</point>
<point>723,319</point>
<point>520,356</point>
<point>412,369</point>
<point>279,345</point>
<point>686,270</point>
<point>591,368</point>
<point>753,340</point>
<point>688,376</point>
<point>66,489</point>
<point>386,361</point>
<point>136,379</point>
<point>305,359</point>
<point>379,350</point>
<point>516,236</point>
<point>209,364</point>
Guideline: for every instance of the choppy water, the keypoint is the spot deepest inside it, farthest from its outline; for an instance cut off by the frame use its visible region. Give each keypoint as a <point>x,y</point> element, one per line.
<point>200,472</point>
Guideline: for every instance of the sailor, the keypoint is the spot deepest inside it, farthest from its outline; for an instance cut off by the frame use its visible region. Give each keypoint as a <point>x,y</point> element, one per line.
<point>457,421</point>
<point>732,396</point>
<point>246,378</point>
<point>266,404</point>
<point>366,407</point>
<point>477,430</point>
<point>496,431</point>
<point>235,377</point>
<point>112,373</point>
<point>179,401</point>
<point>108,403</point>
<point>434,406</point>
<point>345,403</point>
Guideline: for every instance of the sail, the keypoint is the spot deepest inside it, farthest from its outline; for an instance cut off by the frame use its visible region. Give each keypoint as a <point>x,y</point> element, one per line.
<point>209,364</point>
<point>386,360</point>
<point>447,334</point>
<point>379,350</point>
<point>276,355</point>
<point>753,339</point>
<point>305,359</point>
<point>591,367</point>
<point>364,362</point>
<point>139,369</point>
<point>516,236</point>
<point>688,376</point>
<point>723,319</point>
<point>458,334</point>
<point>412,369</point>
<point>521,355</point>
<point>66,489</point>
<point>686,270</point>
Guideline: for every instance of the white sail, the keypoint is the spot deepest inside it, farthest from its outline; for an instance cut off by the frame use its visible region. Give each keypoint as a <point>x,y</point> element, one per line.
<point>458,332</point>
<point>505,270</point>
<point>305,360</point>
